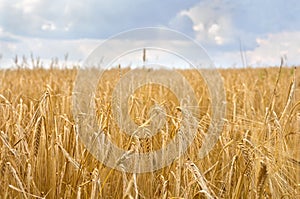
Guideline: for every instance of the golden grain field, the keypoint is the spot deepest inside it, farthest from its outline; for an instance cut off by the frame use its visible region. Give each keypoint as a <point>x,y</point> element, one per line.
<point>256,156</point>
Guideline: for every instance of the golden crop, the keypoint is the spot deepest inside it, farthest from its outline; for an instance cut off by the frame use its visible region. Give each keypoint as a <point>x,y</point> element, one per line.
<point>257,155</point>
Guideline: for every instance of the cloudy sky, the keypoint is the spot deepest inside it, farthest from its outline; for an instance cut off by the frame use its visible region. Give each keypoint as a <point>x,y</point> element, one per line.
<point>263,30</point>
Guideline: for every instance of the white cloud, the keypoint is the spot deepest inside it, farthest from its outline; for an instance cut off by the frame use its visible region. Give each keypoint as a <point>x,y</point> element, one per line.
<point>26,6</point>
<point>212,22</point>
<point>199,27</point>
<point>219,40</point>
<point>214,29</point>
<point>46,49</point>
<point>273,47</point>
<point>79,49</point>
<point>268,52</point>
<point>68,26</point>
<point>50,26</point>
<point>266,29</point>
<point>221,26</point>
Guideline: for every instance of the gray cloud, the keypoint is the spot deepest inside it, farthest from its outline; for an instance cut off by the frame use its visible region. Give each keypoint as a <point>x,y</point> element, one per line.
<point>229,22</point>
<point>219,25</point>
<point>85,19</point>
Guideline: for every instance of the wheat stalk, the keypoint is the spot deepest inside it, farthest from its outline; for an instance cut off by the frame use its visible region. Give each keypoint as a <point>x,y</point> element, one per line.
<point>262,176</point>
<point>200,179</point>
<point>20,184</point>
<point>37,135</point>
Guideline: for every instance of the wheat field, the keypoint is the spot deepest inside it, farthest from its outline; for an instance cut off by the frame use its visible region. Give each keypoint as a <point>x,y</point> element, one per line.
<point>256,156</point>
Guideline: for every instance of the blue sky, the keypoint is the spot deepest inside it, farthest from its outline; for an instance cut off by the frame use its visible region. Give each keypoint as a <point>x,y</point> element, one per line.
<point>266,29</point>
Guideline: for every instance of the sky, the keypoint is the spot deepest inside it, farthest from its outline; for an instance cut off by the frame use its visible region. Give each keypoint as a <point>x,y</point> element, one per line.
<point>260,31</point>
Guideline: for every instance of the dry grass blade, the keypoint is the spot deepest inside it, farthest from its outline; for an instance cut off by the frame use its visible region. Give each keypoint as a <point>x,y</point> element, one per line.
<point>67,155</point>
<point>29,194</point>
<point>292,88</point>
<point>199,179</point>
<point>95,184</point>
<point>79,192</point>
<point>20,184</point>
<point>7,144</point>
